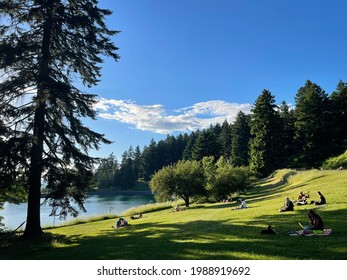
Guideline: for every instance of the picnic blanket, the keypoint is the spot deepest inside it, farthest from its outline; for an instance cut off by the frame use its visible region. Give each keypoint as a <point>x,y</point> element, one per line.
<point>324,232</point>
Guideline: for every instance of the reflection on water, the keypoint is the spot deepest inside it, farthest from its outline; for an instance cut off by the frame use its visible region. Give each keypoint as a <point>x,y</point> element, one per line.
<point>15,214</point>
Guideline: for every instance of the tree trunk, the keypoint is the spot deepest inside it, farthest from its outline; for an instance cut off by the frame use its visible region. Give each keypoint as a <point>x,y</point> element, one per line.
<point>186,200</point>
<point>33,226</point>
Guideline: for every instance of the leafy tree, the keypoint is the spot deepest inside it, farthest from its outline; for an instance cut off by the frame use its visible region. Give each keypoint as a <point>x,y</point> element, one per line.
<point>312,125</point>
<point>184,180</point>
<point>162,183</point>
<point>265,130</point>
<point>46,47</point>
<point>209,166</point>
<point>229,179</point>
<point>336,162</point>
<point>241,136</point>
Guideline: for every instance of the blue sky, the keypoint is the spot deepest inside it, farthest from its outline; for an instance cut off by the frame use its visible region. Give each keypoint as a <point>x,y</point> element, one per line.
<point>188,63</point>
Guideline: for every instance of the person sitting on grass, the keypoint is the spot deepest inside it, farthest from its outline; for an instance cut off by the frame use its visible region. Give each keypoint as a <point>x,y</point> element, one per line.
<point>302,199</point>
<point>321,201</point>
<point>121,223</point>
<point>288,205</point>
<point>316,222</point>
<point>242,205</point>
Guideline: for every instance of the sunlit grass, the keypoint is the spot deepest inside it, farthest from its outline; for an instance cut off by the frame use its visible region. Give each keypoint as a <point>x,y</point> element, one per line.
<point>209,231</point>
<point>151,207</point>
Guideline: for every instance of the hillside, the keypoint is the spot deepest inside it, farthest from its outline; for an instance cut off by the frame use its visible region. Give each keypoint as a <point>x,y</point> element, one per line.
<point>212,231</point>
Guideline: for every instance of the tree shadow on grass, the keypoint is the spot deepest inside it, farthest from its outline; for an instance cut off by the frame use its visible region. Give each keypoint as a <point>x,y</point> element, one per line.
<point>198,239</point>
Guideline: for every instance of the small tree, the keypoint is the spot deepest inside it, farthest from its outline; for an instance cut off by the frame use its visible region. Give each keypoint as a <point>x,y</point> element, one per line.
<point>209,166</point>
<point>183,180</point>
<point>229,179</point>
<point>162,183</point>
<point>189,180</point>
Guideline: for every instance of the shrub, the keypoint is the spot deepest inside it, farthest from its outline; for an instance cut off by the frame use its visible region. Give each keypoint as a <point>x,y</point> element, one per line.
<point>336,162</point>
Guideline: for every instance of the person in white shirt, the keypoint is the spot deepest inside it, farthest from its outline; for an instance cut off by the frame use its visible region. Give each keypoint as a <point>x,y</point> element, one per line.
<point>242,205</point>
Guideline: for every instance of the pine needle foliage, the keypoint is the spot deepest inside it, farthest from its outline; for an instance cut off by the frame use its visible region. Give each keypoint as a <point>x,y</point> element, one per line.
<point>46,48</point>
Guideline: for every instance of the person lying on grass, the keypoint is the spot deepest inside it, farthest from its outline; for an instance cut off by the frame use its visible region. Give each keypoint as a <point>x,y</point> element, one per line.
<point>178,208</point>
<point>136,217</point>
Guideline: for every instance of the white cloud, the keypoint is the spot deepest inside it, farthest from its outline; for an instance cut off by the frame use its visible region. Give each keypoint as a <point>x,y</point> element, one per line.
<point>157,119</point>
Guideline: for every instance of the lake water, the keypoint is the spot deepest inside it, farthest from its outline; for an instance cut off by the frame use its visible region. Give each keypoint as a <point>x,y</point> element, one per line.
<point>15,214</point>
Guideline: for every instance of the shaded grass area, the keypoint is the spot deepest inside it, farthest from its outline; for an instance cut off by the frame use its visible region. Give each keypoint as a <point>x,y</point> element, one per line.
<point>209,231</point>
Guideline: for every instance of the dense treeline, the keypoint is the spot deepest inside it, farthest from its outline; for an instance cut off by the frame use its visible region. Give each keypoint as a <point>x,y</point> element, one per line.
<point>270,137</point>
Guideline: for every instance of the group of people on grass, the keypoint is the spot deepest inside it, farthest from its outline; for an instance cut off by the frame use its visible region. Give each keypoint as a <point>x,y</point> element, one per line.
<point>301,200</point>
<point>123,223</point>
<point>316,222</point>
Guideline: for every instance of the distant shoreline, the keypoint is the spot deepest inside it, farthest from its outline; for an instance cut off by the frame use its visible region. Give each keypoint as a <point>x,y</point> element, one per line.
<point>117,192</point>
<point>112,192</point>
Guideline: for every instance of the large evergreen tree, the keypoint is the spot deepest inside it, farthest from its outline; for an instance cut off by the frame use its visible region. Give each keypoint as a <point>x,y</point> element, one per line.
<point>287,151</point>
<point>106,172</point>
<point>151,159</point>
<point>265,130</point>
<point>312,125</point>
<point>46,47</point>
<point>206,145</point>
<point>191,139</point>
<point>241,136</point>
<point>225,139</point>
<point>138,166</point>
<point>127,173</point>
<point>339,105</point>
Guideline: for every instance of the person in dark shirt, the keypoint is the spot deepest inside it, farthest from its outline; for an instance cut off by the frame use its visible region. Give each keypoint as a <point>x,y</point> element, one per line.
<point>321,201</point>
<point>316,222</point>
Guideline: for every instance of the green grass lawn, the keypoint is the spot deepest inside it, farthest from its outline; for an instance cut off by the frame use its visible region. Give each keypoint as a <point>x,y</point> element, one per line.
<point>210,231</point>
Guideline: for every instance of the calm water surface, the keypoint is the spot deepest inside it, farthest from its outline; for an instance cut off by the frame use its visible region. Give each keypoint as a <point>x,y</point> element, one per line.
<point>15,214</point>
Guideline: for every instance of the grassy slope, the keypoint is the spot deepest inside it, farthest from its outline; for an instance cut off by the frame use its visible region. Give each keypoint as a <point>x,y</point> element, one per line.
<point>212,231</point>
